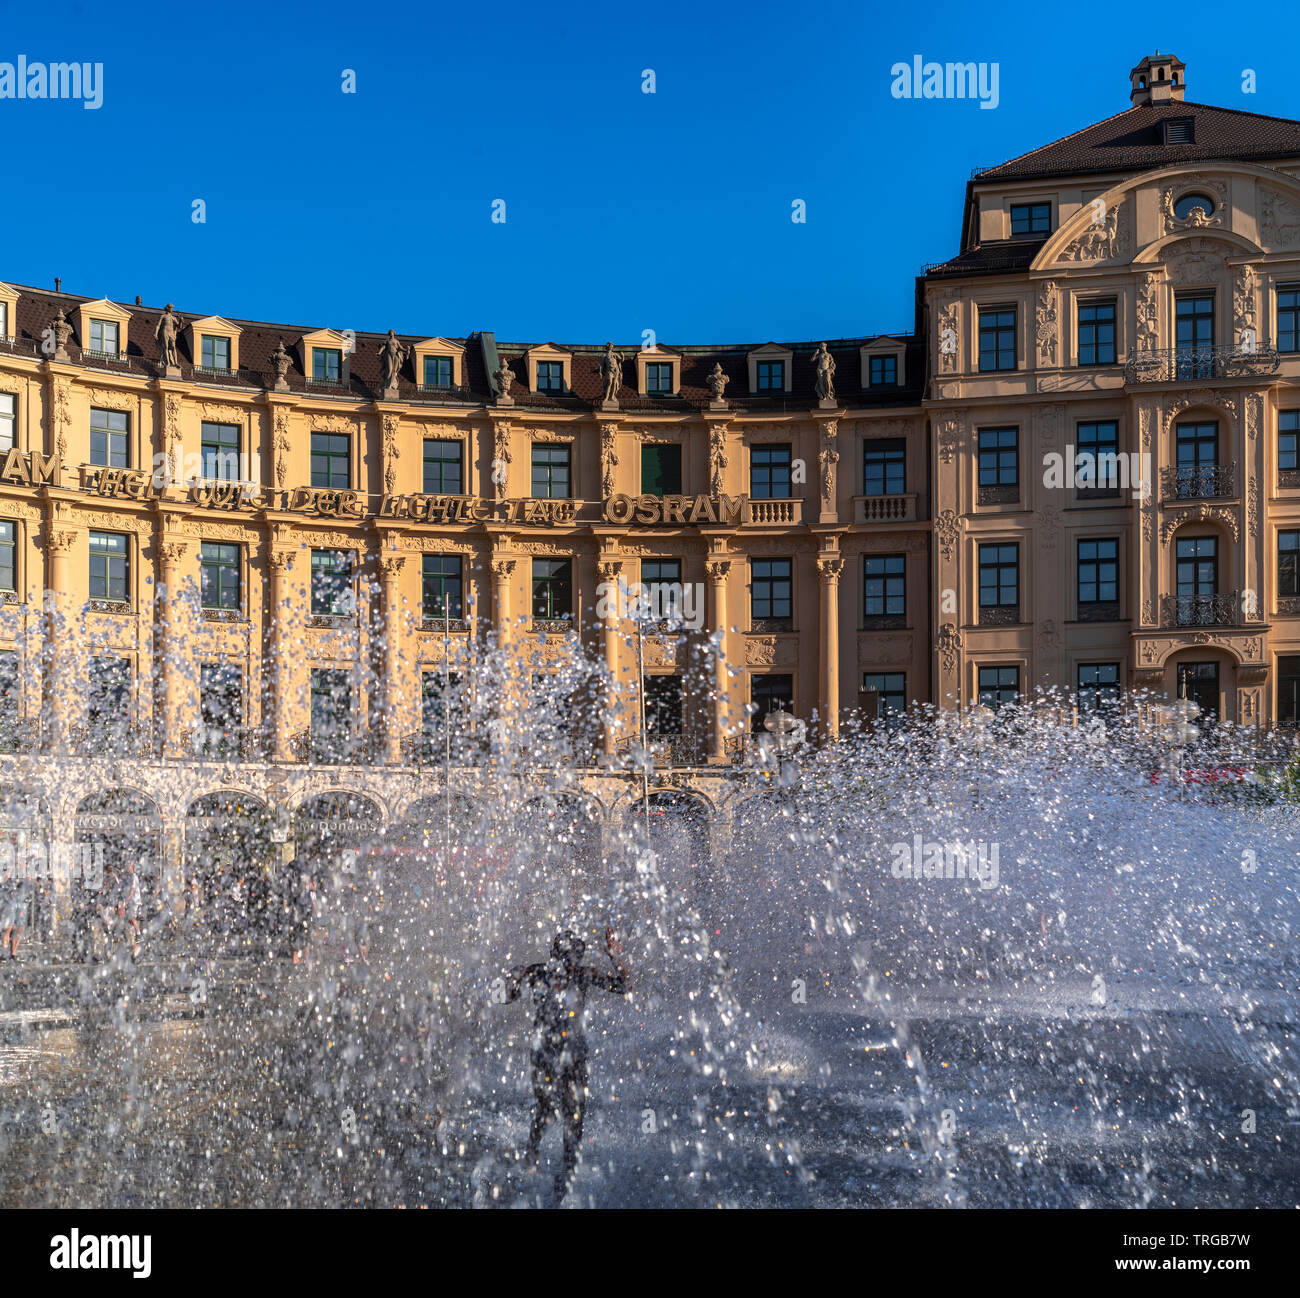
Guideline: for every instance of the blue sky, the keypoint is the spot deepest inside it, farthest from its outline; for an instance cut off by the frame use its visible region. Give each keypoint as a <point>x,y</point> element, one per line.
<point>625,211</point>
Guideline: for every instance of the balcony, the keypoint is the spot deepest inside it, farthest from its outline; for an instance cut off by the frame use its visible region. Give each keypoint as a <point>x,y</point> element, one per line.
<point>1197,481</point>
<point>1201,610</point>
<point>1191,364</point>
<point>776,513</point>
<point>897,508</point>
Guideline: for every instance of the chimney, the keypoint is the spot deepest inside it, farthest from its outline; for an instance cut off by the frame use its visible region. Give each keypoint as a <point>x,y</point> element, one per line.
<point>58,284</point>
<point>1158,79</point>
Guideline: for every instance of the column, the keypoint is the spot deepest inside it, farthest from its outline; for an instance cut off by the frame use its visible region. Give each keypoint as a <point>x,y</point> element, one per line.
<point>829,568</point>
<point>281,564</point>
<point>718,571</point>
<point>173,647</point>
<point>609,573</point>
<point>62,635</point>
<point>391,566</point>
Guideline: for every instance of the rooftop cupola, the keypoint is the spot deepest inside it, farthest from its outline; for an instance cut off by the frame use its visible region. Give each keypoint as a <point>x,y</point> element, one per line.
<point>1158,79</point>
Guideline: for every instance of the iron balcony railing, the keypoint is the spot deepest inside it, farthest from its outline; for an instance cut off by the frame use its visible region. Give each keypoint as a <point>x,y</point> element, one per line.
<point>1202,610</point>
<point>1183,364</point>
<point>1197,481</point>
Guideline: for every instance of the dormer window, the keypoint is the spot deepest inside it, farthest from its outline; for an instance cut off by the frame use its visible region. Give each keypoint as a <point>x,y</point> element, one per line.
<point>882,363</point>
<point>104,337</point>
<point>659,378</point>
<point>437,371</point>
<point>550,376</point>
<point>884,371</point>
<point>1030,218</point>
<point>771,376</point>
<point>657,372</point>
<point>326,365</point>
<point>214,352</point>
<point>1180,130</point>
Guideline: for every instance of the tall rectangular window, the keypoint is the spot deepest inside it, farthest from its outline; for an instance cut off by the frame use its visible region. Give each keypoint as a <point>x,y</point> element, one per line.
<point>1096,459</point>
<point>999,572</point>
<point>437,371</point>
<point>10,702</point>
<point>882,371</point>
<point>997,338</point>
<point>331,714</point>
<point>331,460</point>
<point>550,376</point>
<point>998,686</point>
<point>1288,690</point>
<point>1194,335</point>
<point>110,438</point>
<point>1097,686</point>
<point>891,691</point>
<point>1288,318</point>
<point>884,590</point>
<point>442,704</point>
<point>8,420</point>
<point>1098,579</point>
<point>661,583</point>
<point>884,468</point>
<point>1097,333</point>
<point>442,467</point>
<point>552,470</point>
<point>4,320</point>
<point>220,575</point>
<point>999,465</point>
<point>110,566</point>
<point>215,352</point>
<point>221,706</point>
<point>770,376</point>
<point>104,337</point>
<point>441,595</point>
<point>8,552</point>
<point>1288,564</point>
<point>772,692</point>
<point>219,451</point>
<point>659,378</point>
<point>1288,448</point>
<point>663,705</point>
<point>108,696</point>
<point>771,584</point>
<point>332,592</point>
<point>553,589</point>
<point>326,365</point>
<point>1031,218</point>
<point>661,470</point>
<point>769,472</point>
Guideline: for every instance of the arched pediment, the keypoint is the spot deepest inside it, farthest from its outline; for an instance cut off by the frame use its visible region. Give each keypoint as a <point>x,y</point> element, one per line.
<point>1197,243</point>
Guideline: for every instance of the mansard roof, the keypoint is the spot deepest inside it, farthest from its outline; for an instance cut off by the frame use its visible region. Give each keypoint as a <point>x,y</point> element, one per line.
<point>1134,141</point>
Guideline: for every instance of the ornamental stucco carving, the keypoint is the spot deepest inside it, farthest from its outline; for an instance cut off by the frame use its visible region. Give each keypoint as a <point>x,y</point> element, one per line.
<point>1045,323</point>
<point>1105,238</point>
<point>1200,514</point>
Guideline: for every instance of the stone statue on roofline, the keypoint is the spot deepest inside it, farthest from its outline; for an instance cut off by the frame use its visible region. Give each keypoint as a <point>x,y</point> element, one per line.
<point>166,332</point>
<point>392,356</point>
<point>611,370</point>
<point>824,369</point>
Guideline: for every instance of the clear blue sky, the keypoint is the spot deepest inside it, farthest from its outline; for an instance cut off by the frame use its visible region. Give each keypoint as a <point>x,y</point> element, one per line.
<point>625,211</point>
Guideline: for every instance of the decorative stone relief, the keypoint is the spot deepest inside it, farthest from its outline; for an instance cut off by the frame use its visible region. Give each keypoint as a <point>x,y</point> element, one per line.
<point>1243,306</point>
<point>1198,217</point>
<point>1194,261</point>
<point>1200,514</point>
<point>952,436</point>
<point>608,457</point>
<point>392,450</point>
<point>947,527</point>
<point>1148,312</point>
<point>828,458</point>
<point>717,457</point>
<point>947,337</point>
<point>1050,526</point>
<point>1104,239</point>
<point>501,457</point>
<point>771,651</point>
<point>948,644</point>
<point>1279,220</point>
<point>1045,323</point>
<point>281,444</point>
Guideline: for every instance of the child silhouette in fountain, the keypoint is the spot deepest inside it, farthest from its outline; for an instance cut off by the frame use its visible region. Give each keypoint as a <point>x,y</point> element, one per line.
<point>559,1046</point>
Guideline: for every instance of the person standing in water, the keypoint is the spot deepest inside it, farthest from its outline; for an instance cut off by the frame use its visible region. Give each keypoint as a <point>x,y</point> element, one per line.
<point>559,1045</point>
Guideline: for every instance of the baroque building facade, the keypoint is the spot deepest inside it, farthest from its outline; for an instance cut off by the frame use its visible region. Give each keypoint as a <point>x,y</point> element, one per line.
<point>242,564</point>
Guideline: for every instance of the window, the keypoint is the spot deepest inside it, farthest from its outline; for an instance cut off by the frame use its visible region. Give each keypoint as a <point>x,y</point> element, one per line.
<point>1199,682</point>
<point>326,365</point>
<point>1031,218</point>
<point>220,573</point>
<point>661,587</point>
<point>103,337</point>
<point>999,465</point>
<point>214,352</point>
<point>659,377</point>
<point>884,466</point>
<point>331,455</point>
<point>771,376</point>
<point>1098,579</point>
<point>1194,336</point>
<point>331,714</point>
<point>1197,572</point>
<point>998,686</point>
<point>1182,130</point>
<point>437,371</point>
<point>884,590</point>
<point>8,420</point>
<point>997,338</point>
<point>221,689</point>
<point>1097,688</point>
<point>219,451</point>
<point>10,702</point>
<point>110,438</point>
<point>769,694</point>
<point>1288,564</point>
<point>110,569</point>
<point>108,697</point>
<point>4,320</point>
<point>769,473</point>
<point>550,377</point>
<point>1097,333</point>
<point>552,589</point>
<point>8,551</point>
<point>1288,691</point>
<point>999,567</point>
<point>663,705</point>
<point>883,371</point>
<point>1197,455</point>
<point>442,467</point>
<point>891,689</point>
<point>332,593</point>
<point>1096,459</point>
<point>771,594</point>
<point>661,470</point>
<point>441,592</point>
<point>1288,448</point>
<point>552,470</point>
<point>1288,319</point>
<point>442,703</point>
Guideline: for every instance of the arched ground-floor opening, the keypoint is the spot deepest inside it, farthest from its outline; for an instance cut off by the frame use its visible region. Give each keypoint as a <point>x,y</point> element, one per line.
<point>125,827</point>
<point>230,860</point>
<point>28,887</point>
<point>680,835</point>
